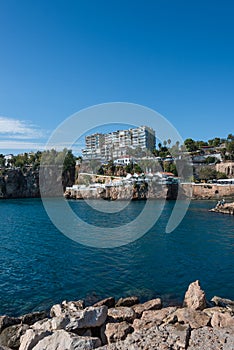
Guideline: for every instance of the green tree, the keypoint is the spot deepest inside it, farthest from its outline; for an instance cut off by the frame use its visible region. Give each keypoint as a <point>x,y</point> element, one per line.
<point>216,142</point>
<point>2,161</point>
<point>190,145</point>
<point>207,173</point>
<point>230,149</point>
<point>221,175</point>
<point>210,160</point>
<point>69,161</point>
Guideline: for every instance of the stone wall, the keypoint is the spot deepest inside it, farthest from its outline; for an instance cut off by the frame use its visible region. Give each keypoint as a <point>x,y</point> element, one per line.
<point>227,168</point>
<point>209,191</point>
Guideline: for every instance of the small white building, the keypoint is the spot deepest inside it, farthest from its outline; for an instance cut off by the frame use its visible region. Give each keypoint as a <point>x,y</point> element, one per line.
<point>8,158</point>
<point>124,161</point>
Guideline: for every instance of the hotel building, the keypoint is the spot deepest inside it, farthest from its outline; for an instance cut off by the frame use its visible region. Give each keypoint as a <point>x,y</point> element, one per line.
<point>116,144</point>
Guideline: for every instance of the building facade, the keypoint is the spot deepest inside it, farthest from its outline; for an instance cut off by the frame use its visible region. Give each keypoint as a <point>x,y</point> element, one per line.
<point>118,143</point>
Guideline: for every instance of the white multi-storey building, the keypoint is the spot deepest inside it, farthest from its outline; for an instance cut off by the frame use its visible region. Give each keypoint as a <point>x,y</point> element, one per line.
<point>117,144</point>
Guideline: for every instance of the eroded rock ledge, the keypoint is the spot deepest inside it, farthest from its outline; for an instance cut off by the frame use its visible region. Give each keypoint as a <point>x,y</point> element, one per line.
<point>125,324</point>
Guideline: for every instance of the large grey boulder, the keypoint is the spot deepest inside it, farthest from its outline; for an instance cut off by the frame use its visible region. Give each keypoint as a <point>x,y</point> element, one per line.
<point>154,304</point>
<point>43,325</point>
<point>57,323</point>
<point>153,318</point>
<point>31,338</point>
<point>6,321</point>
<point>117,331</point>
<point>88,318</point>
<point>195,297</point>
<point>211,339</point>
<point>10,336</point>
<point>128,301</point>
<point>4,348</point>
<point>109,302</point>
<point>165,337</point>
<point>222,320</point>
<point>62,340</point>
<point>70,308</point>
<point>227,303</point>
<point>211,310</point>
<point>195,319</point>
<point>33,317</point>
<point>120,314</point>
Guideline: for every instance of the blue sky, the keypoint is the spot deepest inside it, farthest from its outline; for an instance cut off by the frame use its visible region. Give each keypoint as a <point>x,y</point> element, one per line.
<point>58,57</point>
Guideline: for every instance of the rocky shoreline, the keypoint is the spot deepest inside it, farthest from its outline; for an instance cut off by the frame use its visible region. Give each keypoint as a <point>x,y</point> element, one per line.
<point>125,324</point>
<point>227,208</point>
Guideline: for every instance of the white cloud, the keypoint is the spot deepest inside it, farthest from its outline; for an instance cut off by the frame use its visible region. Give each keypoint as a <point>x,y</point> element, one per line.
<point>17,135</point>
<point>18,129</point>
<point>20,145</point>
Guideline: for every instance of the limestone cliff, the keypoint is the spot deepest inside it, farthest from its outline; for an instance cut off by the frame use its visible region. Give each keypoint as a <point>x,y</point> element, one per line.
<point>18,183</point>
<point>14,183</point>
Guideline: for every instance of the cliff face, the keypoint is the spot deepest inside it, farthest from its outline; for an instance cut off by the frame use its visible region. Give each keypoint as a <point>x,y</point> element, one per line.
<point>14,183</point>
<point>141,192</point>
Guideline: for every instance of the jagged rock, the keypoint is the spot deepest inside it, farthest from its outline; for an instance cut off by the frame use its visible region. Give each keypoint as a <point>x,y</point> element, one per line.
<point>57,310</point>
<point>117,331</point>
<point>4,348</point>
<point>33,317</point>
<point>153,318</point>
<point>62,340</point>
<point>10,336</point>
<point>129,301</point>
<point>165,337</point>
<point>229,304</point>
<point>154,304</point>
<point>43,325</point>
<point>210,311</point>
<point>88,318</point>
<point>69,307</point>
<point>120,314</point>
<point>139,324</point>
<point>211,338</point>
<point>195,297</point>
<point>6,321</point>
<point>178,335</point>
<point>84,332</point>
<point>59,322</point>
<point>109,302</point>
<point>195,319</point>
<point>222,320</point>
<point>31,338</point>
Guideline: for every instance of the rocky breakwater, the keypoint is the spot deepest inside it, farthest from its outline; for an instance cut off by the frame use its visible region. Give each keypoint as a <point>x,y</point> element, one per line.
<point>125,325</point>
<point>227,208</point>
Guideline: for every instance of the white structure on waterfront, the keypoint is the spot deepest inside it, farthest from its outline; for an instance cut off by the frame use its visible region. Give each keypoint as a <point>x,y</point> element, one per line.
<point>116,144</point>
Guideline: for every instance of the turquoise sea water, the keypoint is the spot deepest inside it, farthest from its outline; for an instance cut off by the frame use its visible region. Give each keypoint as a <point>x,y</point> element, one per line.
<point>40,266</point>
